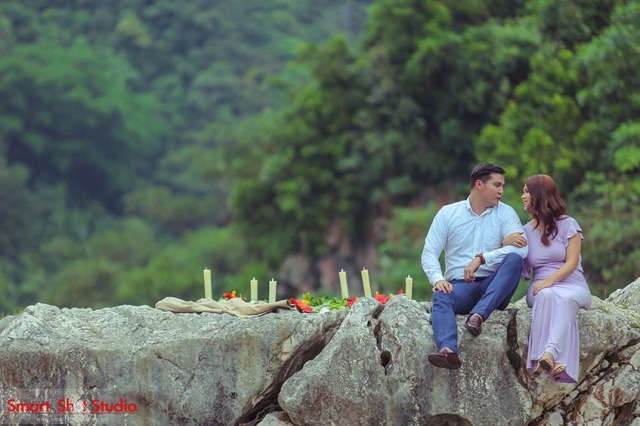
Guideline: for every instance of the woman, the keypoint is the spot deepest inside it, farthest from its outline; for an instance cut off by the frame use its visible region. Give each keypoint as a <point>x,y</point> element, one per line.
<point>558,288</point>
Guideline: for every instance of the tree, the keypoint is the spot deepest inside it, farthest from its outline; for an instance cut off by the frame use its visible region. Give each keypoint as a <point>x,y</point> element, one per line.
<point>20,213</point>
<point>575,118</point>
<point>69,116</point>
<point>611,189</point>
<point>543,130</point>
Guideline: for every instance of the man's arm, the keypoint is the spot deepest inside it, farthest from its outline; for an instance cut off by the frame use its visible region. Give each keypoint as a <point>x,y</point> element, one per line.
<point>433,245</point>
<point>510,224</point>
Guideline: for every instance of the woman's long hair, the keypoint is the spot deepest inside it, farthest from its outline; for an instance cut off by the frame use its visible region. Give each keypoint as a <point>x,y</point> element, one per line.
<point>546,205</point>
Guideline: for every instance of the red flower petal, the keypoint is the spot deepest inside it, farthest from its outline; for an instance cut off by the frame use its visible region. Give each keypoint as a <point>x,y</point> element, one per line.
<point>299,305</point>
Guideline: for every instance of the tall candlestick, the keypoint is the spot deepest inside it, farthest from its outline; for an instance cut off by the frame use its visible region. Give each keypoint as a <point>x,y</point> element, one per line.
<point>365,283</point>
<point>254,289</point>
<point>272,291</point>
<point>207,283</point>
<point>343,284</point>
<point>409,287</point>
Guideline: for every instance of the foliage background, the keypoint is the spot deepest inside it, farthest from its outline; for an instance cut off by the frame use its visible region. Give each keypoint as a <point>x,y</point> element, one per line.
<point>141,141</point>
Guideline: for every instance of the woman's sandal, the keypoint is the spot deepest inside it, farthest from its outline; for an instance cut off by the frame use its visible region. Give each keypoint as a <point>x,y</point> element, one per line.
<point>557,370</point>
<point>546,362</point>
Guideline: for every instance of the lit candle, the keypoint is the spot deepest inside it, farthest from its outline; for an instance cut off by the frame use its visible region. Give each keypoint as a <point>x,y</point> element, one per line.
<point>343,284</point>
<point>272,291</point>
<point>409,286</point>
<point>207,283</point>
<point>254,289</point>
<point>365,283</point>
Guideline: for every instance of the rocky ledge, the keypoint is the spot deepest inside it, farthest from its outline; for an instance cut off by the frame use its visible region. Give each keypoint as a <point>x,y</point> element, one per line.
<point>366,366</point>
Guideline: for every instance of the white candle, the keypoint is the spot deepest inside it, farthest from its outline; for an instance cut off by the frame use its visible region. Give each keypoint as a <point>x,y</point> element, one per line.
<point>272,291</point>
<point>409,286</point>
<point>365,283</point>
<point>343,284</point>
<point>254,289</point>
<point>207,283</point>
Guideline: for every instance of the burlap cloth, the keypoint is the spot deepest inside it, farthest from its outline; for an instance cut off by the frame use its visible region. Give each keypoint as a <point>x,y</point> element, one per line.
<point>235,306</point>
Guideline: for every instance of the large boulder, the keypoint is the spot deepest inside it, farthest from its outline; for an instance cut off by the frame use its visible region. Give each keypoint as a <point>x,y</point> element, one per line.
<point>174,368</point>
<point>374,371</point>
<point>362,366</point>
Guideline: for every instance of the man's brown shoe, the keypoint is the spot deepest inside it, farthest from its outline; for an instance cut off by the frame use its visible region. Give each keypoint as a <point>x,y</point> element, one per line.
<point>474,324</point>
<point>445,359</point>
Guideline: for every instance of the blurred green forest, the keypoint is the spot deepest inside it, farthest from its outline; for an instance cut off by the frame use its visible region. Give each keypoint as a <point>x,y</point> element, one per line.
<point>143,140</point>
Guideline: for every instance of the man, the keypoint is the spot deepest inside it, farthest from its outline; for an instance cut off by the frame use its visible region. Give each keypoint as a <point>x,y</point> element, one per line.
<point>480,275</point>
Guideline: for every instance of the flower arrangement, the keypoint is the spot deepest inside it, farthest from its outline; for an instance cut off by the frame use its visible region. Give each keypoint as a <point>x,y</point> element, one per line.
<point>308,303</point>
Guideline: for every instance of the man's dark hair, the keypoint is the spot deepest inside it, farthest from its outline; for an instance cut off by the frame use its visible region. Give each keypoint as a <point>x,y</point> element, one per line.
<point>483,172</point>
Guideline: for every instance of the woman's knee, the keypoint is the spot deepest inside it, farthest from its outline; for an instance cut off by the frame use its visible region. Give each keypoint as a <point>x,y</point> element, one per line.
<point>546,293</point>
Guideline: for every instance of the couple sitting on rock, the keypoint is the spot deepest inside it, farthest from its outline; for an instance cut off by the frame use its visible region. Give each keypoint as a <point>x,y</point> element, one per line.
<point>487,250</point>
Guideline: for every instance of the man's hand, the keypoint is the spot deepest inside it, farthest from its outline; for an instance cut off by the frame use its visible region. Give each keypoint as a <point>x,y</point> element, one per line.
<point>443,286</point>
<point>470,270</point>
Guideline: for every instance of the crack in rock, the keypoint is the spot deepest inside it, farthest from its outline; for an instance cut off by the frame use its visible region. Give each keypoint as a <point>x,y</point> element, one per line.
<point>268,402</point>
<point>386,359</point>
<point>513,353</point>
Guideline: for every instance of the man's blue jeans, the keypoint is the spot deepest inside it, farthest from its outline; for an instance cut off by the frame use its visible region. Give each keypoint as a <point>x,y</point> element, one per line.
<point>481,296</point>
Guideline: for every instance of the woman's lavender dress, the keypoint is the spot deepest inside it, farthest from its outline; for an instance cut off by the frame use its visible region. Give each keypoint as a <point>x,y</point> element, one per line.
<point>554,327</point>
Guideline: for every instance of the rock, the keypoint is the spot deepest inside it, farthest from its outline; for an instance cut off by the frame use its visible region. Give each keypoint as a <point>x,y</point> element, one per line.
<point>386,379</point>
<point>343,384</point>
<point>407,390</point>
<point>607,392</point>
<point>361,366</point>
<point>276,419</point>
<point>175,368</point>
<point>627,297</point>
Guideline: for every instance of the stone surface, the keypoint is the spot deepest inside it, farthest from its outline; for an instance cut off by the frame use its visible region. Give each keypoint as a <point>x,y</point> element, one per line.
<point>386,378</point>
<point>361,366</point>
<point>627,297</point>
<point>177,368</point>
<point>276,419</point>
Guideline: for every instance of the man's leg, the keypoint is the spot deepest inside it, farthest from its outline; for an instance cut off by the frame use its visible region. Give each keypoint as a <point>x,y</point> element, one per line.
<point>498,288</point>
<point>445,307</point>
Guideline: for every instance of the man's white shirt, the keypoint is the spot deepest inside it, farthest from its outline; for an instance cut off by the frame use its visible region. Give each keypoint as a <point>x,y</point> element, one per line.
<point>462,234</point>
